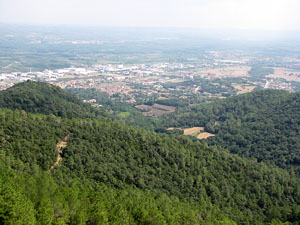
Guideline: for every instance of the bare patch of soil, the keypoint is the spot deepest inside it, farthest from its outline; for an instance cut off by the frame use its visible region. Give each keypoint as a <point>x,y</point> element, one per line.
<point>193,130</point>
<point>205,135</point>
<point>61,145</point>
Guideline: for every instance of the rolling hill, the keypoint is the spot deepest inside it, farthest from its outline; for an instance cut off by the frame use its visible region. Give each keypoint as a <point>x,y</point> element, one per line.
<point>263,125</point>
<point>111,173</point>
<point>44,98</point>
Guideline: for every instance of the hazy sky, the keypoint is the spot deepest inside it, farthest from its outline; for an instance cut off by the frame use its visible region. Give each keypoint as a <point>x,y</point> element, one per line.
<point>237,14</point>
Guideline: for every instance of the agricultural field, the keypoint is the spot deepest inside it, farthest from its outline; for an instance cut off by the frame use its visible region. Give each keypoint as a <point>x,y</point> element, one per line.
<point>197,132</point>
<point>174,81</point>
<point>193,130</point>
<point>243,88</point>
<point>205,135</point>
<point>144,107</point>
<point>285,73</point>
<point>156,110</point>
<point>237,71</point>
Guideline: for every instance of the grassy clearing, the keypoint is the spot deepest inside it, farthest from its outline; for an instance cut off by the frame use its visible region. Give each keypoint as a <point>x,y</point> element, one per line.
<point>197,132</point>
<point>205,135</point>
<point>193,130</point>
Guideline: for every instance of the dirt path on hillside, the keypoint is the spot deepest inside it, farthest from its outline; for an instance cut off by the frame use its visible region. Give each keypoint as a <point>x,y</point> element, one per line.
<point>61,145</point>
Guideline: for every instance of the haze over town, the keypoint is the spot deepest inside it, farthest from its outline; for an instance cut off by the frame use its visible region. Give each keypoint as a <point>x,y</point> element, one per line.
<point>214,14</point>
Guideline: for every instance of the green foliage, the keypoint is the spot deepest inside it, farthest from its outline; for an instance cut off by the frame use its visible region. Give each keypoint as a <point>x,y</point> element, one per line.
<point>38,199</point>
<point>116,109</point>
<point>15,207</point>
<point>262,125</point>
<point>44,98</point>
<point>102,151</point>
<point>111,173</point>
<point>260,72</point>
<point>40,132</point>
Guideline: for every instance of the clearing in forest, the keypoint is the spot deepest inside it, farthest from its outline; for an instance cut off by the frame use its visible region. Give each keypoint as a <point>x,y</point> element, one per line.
<point>61,145</point>
<point>193,130</point>
<point>243,88</point>
<point>156,110</point>
<point>205,135</point>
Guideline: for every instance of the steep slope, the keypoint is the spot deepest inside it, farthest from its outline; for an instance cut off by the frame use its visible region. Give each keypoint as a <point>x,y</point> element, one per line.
<point>132,163</point>
<point>37,198</point>
<point>262,125</point>
<point>44,98</point>
<point>100,151</point>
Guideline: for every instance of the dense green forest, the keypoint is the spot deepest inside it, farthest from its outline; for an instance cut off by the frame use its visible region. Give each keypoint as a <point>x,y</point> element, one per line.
<point>106,152</point>
<point>262,125</point>
<point>44,98</point>
<point>112,173</point>
<point>34,197</point>
<point>260,72</point>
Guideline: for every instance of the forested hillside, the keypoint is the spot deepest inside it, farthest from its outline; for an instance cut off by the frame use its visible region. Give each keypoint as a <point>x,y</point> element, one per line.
<point>44,98</point>
<point>100,151</point>
<point>34,197</point>
<point>262,125</point>
<point>111,173</point>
